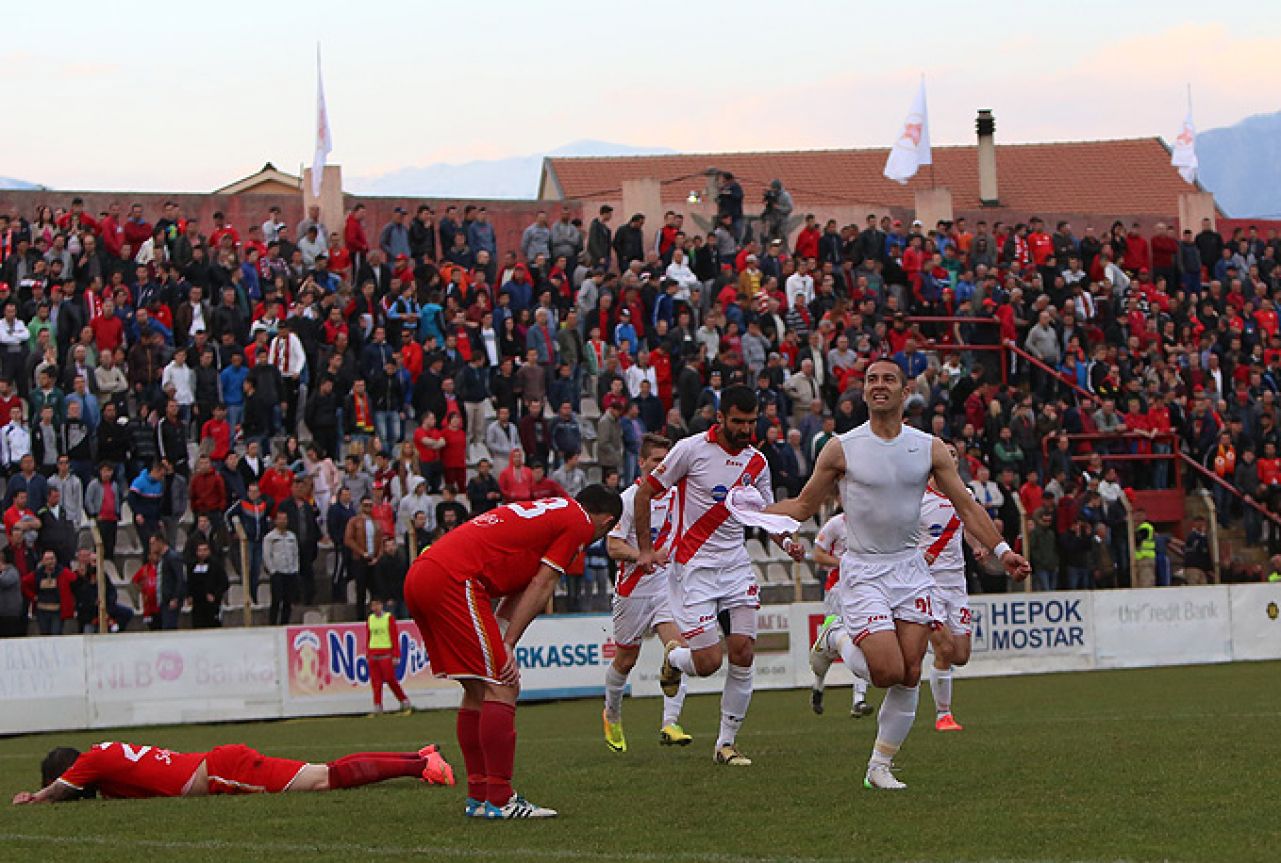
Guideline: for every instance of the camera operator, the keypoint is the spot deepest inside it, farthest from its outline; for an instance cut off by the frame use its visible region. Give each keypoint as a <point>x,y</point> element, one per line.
<point>778,209</point>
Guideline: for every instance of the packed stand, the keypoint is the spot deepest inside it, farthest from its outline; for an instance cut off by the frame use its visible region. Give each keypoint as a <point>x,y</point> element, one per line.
<point>364,388</point>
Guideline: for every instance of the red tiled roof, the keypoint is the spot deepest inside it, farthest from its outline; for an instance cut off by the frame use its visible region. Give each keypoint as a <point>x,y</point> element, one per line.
<point>1128,176</point>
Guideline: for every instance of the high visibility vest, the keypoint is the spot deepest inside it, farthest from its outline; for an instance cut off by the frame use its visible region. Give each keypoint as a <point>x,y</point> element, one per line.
<point>380,632</point>
<point>1147,548</point>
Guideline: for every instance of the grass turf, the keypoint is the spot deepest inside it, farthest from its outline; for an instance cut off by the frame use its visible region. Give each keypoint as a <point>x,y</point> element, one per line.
<point>1166,764</point>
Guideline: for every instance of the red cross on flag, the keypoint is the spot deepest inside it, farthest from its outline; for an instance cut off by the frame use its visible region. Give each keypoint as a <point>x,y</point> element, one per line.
<point>1184,155</point>
<point>911,149</point>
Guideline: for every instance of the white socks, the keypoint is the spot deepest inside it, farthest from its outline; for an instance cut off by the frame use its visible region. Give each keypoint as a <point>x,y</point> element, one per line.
<point>734,702</point>
<point>941,687</point>
<point>672,706</point>
<point>615,683</point>
<point>852,656</point>
<point>682,658</point>
<point>894,722</point>
<point>860,689</point>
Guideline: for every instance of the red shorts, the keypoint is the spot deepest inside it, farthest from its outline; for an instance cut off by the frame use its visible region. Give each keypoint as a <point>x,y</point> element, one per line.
<point>237,769</point>
<point>457,623</point>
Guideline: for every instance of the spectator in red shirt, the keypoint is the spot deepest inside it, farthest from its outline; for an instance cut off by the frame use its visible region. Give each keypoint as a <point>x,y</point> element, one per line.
<point>454,455</point>
<point>516,481</point>
<point>807,239</point>
<point>354,238</point>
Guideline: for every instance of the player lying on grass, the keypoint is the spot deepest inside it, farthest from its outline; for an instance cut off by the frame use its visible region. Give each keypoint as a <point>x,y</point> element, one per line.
<point>117,770</point>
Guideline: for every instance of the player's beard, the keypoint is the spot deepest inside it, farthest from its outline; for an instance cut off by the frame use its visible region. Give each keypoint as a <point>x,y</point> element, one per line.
<point>737,441</point>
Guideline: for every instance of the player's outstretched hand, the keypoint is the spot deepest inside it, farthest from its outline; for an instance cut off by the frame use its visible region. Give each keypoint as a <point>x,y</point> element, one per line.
<point>794,549</point>
<point>510,673</point>
<point>23,797</point>
<point>1016,566</point>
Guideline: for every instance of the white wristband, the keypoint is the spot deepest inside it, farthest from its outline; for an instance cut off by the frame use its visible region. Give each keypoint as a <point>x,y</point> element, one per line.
<point>1001,549</point>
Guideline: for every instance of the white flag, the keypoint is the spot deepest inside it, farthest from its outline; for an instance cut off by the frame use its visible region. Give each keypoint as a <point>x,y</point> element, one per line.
<point>324,141</point>
<point>912,148</point>
<point>1184,156</point>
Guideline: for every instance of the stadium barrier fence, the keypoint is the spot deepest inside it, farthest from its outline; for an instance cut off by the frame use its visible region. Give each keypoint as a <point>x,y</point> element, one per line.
<point>98,681</point>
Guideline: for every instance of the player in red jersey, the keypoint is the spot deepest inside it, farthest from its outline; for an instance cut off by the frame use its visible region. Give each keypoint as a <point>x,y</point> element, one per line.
<point>515,553</point>
<point>123,770</point>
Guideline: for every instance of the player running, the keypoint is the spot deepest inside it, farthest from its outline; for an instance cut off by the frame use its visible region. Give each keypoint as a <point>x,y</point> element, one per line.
<point>641,605</point>
<point>881,469</point>
<point>941,537</point>
<point>517,553</point>
<point>710,570</point>
<point>118,770</point>
<point>829,545</point>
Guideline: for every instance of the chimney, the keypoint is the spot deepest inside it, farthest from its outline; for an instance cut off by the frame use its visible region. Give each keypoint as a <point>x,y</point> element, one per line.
<point>985,125</point>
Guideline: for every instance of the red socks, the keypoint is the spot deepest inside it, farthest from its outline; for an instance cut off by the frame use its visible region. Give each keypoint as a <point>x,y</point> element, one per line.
<point>362,768</point>
<point>498,731</point>
<point>473,753</point>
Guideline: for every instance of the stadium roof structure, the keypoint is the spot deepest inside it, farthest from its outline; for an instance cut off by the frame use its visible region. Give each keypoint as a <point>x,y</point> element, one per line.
<point>1120,177</point>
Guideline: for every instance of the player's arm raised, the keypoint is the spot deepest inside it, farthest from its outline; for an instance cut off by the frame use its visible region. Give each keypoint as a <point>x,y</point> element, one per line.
<point>828,470</point>
<point>973,517</point>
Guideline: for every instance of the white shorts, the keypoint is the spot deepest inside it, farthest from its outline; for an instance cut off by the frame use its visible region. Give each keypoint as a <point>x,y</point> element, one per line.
<point>878,590</point>
<point>635,617</point>
<point>952,606</point>
<point>832,602</point>
<point>699,594</point>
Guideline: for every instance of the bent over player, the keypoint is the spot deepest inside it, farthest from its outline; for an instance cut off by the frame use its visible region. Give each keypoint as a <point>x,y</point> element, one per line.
<point>641,605</point>
<point>710,571</point>
<point>117,770</point>
<point>515,553</point>
<point>881,468</point>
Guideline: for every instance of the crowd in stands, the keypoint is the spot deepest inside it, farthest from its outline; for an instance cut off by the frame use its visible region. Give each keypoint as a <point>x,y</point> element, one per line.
<point>364,388</point>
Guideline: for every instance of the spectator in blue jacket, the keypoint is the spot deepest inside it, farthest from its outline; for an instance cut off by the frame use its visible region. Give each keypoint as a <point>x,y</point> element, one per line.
<point>232,380</point>
<point>146,498</point>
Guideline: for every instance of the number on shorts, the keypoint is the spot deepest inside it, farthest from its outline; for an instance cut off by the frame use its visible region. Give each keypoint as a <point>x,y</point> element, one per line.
<point>923,605</point>
<point>965,617</point>
<point>533,509</point>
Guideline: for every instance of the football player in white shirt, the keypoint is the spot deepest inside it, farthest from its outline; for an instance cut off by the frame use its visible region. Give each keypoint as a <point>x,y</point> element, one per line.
<point>880,469</point>
<point>640,605</point>
<point>829,545</point>
<point>941,537</point>
<point>710,571</point>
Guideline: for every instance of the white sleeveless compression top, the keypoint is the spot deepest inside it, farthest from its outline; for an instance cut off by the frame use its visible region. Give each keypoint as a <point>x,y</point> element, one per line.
<point>882,489</point>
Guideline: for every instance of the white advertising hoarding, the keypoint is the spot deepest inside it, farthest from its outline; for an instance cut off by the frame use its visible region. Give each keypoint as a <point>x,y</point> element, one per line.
<point>1162,626</point>
<point>154,678</point>
<point>42,684</point>
<point>1256,621</point>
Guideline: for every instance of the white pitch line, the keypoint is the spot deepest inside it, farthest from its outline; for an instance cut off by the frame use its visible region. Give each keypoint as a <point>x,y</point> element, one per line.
<point>398,851</point>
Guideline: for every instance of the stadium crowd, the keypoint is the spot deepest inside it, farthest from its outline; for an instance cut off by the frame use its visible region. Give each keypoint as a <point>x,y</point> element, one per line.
<point>369,387</point>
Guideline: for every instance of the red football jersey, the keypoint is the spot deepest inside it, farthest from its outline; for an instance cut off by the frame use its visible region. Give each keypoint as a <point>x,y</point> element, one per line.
<point>502,548</point>
<point>125,770</point>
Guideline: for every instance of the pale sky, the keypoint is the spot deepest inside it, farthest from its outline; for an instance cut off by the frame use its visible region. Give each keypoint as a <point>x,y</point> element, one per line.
<point>186,97</point>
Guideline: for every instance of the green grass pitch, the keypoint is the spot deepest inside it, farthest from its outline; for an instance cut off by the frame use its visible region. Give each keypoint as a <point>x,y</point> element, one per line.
<point>1168,764</point>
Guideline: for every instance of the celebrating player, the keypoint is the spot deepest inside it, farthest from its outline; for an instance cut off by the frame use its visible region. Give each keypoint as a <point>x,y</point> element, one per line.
<point>941,538</point>
<point>829,545</point>
<point>882,468</point>
<point>710,571</point>
<point>124,770</point>
<point>517,553</point>
<point>641,605</point>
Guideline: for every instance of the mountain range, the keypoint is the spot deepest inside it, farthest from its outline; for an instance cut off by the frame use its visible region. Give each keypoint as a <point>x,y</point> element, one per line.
<point>515,177</point>
<point>1240,163</point>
